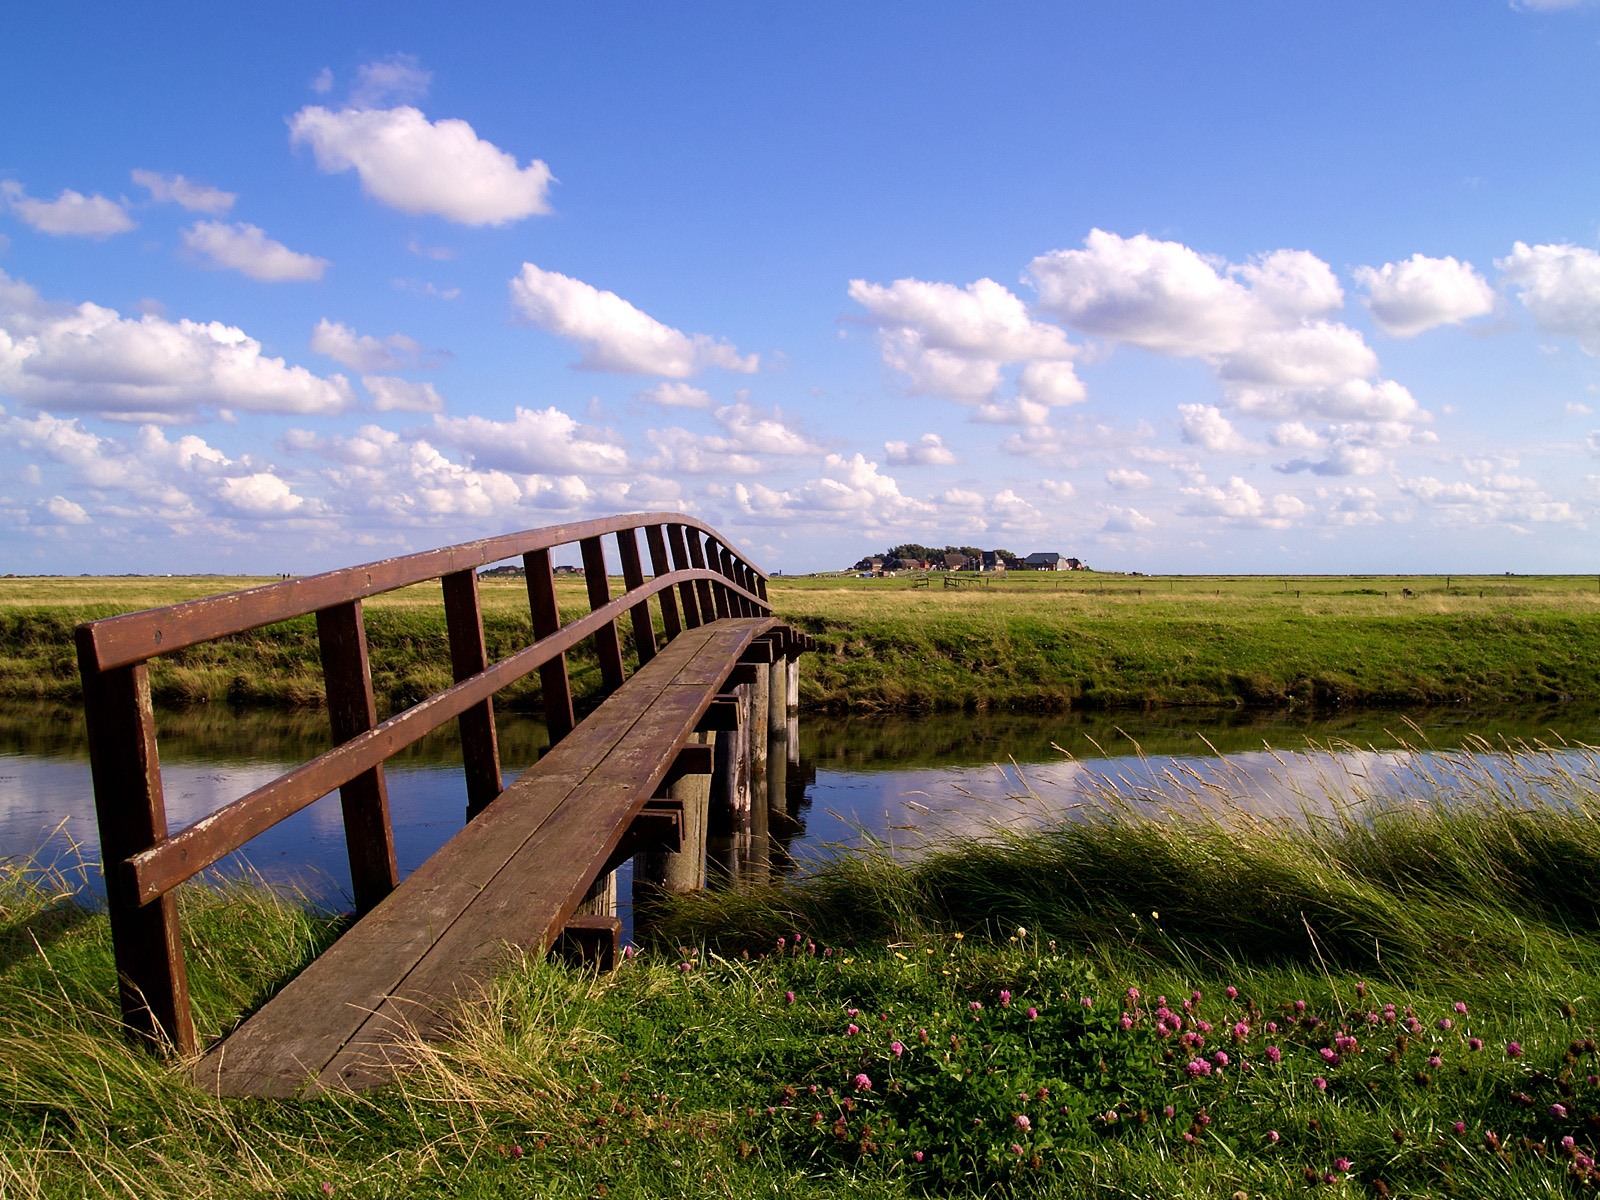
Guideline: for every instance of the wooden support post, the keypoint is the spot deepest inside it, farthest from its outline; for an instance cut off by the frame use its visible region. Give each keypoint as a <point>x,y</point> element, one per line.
<point>791,702</point>
<point>682,562</point>
<point>660,565</point>
<point>347,675</point>
<point>601,898</point>
<point>480,747</point>
<point>758,860</point>
<point>607,646</point>
<point>589,941</point>
<point>152,982</point>
<point>685,869</point>
<point>644,630</point>
<point>554,687</point>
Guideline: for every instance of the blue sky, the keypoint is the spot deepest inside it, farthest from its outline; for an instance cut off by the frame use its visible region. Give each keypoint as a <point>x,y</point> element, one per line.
<point>1250,287</point>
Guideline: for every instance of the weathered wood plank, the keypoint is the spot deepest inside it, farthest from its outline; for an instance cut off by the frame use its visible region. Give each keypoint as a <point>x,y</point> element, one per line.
<point>531,898</point>
<point>607,645</point>
<point>549,822</point>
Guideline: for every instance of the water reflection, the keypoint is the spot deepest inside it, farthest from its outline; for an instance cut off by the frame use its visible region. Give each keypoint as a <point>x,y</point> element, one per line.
<point>891,778</point>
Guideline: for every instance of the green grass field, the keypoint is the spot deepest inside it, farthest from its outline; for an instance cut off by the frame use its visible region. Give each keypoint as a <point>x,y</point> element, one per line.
<point>1038,641</point>
<point>1129,1007</point>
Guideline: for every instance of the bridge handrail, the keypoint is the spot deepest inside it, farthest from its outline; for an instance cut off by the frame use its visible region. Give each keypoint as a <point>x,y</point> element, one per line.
<point>696,577</point>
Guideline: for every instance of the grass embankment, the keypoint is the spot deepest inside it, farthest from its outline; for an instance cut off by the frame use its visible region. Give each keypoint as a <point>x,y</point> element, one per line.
<point>1031,642</point>
<point>1126,1006</point>
<point>1123,642</point>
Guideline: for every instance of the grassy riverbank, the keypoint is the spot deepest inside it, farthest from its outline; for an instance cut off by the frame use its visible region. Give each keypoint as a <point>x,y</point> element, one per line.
<point>1029,642</point>
<point>1127,1006</point>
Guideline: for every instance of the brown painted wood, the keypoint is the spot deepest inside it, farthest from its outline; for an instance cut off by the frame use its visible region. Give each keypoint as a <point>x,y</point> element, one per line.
<point>531,898</point>
<point>152,983</point>
<point>655,539</point>
<point>721,715</point>
<point>135,637</point>
<point>644,630</point>
<point>480,747</point>
<point>364,800</point>
<point>742,672</point>
<point>554,687</point>
<point>719,589</point>
<point>590,942</point>
<point>693,759</point>
<point>607,645</point>
<point>761,651</point>
<point>681,562</point>
<point>705,591</point>
<point>209,839</point>
<point>547,832</point>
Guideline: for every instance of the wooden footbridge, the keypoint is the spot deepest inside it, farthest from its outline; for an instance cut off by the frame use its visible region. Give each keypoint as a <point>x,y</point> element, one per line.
<point>708,652</point>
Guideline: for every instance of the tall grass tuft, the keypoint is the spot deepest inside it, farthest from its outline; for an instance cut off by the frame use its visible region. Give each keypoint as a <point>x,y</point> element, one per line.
<point>1473,871</point>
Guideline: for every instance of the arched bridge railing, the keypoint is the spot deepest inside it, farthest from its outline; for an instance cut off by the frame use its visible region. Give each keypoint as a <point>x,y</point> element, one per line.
<point>695,577</point>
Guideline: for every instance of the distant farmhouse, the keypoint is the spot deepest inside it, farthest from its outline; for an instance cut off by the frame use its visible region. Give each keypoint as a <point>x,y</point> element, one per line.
<point>914,557</point>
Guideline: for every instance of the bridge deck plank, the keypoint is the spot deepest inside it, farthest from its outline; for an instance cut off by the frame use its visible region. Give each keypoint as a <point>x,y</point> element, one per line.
<point>509,880</point>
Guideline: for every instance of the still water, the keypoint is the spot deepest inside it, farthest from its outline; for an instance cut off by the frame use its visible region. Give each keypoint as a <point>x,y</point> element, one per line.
<point>893,779</point>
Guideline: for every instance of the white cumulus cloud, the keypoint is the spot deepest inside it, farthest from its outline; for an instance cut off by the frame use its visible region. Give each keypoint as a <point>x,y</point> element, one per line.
<point>90,358</point>
<point>399,78</point>
<point>954,342</point>
<point>927,451</point>
<point>175,189</point>
<point>676,395</point>
<point>534,440</point>
<point>71,214</point>
<point>1205,426</point>
<point>613,334</point>
<point>247,249</point>
<point>1263,326</point>
<point>1559,285</point>
<point>419,166</point>
<point>1421,293</point>
<point>392,394</point>
<point>1166,297</point>
<point>1125,479</point>
<point>1241,504</point>
<point>363,352</point>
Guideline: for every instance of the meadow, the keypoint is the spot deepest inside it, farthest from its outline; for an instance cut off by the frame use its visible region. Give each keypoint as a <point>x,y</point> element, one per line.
<point>1045,642</point>
<point>1129,1006</point>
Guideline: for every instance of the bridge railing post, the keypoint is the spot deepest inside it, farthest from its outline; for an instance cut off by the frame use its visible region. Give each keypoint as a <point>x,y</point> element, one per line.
<point>146,940</point>
<point>702,587</point>
<point>607,645</point>
<point>352,710</point>
<point>660,565</point>
<point>681,561</point>
<point>719,592</point>
<point>480,747</point>
<point>644,630</point>
<point>554,687</point>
